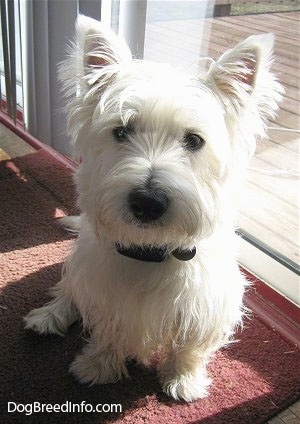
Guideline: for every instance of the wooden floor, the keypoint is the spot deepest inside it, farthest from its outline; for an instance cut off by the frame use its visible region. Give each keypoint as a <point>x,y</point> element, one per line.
<point>271,207</point>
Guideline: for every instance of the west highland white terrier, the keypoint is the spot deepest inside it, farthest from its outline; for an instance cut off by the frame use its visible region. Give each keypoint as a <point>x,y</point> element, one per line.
<point>162,154</point>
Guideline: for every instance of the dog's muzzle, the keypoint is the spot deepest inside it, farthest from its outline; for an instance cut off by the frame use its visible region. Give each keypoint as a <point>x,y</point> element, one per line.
<point>147,205</point>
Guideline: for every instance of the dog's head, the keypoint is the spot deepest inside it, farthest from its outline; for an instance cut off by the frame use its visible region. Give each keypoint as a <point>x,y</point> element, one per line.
<point>158,146</point>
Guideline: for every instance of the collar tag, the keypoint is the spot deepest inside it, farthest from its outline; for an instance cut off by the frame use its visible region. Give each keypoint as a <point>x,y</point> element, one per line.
<point>184,255</point>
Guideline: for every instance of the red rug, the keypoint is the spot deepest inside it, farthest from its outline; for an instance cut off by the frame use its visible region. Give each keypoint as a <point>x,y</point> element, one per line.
<point>252,380</point>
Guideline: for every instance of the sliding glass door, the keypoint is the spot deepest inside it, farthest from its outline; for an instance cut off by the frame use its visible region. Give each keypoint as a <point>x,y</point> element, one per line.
<point>183,33</point>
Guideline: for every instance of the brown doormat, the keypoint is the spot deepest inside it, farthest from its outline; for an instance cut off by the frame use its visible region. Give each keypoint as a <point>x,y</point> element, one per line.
<point>252,380</point>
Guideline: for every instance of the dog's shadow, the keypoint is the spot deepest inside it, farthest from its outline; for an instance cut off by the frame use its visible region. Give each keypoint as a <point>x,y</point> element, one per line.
<point>31,198</point>
<point>35,368</point>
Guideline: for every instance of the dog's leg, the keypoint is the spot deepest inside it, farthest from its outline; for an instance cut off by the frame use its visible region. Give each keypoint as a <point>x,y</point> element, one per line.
<point>56,316</point>
<point>98,364</point>
<point>183,374</point>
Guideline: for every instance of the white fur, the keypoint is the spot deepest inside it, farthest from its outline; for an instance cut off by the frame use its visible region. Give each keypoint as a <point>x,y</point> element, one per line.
<point>185,311</point>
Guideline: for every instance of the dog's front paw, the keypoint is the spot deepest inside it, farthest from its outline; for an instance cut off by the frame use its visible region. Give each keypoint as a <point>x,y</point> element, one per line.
<point>53,318</point>
<point>97,368</point>
<point>43,321</point>
<point>186,387</point>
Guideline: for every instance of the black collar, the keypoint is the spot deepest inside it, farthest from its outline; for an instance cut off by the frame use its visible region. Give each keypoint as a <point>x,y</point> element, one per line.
<point>154,254</point>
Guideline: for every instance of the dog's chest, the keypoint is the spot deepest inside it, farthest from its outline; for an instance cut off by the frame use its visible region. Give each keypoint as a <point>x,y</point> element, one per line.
<point>145,300</point>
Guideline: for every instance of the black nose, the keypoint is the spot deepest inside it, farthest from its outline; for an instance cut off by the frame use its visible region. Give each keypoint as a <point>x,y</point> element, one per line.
<point>147,205</point>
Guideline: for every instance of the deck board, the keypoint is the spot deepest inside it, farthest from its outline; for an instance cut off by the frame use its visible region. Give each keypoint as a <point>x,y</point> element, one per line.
<point>271,210</point>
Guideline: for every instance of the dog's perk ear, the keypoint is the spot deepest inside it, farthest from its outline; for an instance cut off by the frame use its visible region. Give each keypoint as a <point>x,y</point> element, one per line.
<point>94,58</point>
<point>242,77</point>
<point>101,47</point>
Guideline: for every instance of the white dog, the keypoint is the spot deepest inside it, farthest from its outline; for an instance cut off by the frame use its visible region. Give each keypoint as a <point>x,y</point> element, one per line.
<point>162,155</point>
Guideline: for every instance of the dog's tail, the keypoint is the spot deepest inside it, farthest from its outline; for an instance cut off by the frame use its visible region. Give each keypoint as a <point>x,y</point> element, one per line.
<point>71,223</point>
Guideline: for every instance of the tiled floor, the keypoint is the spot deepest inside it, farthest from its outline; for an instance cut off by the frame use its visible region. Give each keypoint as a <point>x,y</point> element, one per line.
<point>289,416</point>
<point>12,146</point>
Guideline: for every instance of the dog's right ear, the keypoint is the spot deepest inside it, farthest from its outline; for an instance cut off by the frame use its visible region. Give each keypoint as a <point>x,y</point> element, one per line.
<point>95,57</point>
<point>101,47</point>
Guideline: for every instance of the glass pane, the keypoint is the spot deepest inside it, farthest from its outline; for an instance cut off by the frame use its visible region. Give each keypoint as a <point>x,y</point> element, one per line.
<point>180,32</point>
<point>19,92</point>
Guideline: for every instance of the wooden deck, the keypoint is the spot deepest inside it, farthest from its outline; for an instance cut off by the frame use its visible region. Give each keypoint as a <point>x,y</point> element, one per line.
<point>271,208</point>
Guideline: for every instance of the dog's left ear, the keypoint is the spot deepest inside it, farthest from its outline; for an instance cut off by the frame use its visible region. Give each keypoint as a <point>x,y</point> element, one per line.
<point>241,78</point>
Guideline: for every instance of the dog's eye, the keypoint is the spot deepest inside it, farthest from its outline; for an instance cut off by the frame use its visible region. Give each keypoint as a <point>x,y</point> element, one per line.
<point>121,133</point>
<point>193,141</point>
